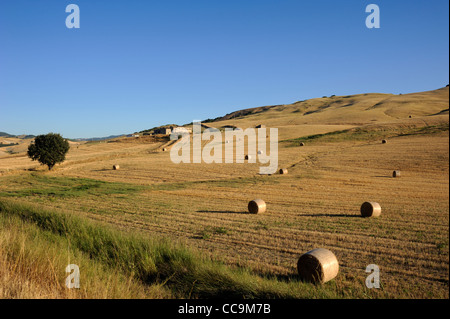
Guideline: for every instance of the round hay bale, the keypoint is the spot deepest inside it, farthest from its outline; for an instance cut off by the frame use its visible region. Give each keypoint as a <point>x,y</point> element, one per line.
<point>260,152</point>
<point>283,171</point>
<point>384,141</point>
<point>318,266</point>
<point>396,174</point>
<point>164,149</point>
<point>248,157</point>
<point>257,206</point>
<point>370,209</point>
<point>302,144</point>
<point>116,167</point>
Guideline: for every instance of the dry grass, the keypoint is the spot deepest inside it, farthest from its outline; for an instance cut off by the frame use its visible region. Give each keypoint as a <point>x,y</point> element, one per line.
<point>32,265</point>
<point>116,264</point>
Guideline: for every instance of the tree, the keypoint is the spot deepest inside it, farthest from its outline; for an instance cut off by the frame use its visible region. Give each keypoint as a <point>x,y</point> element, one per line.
<point>49,149</point>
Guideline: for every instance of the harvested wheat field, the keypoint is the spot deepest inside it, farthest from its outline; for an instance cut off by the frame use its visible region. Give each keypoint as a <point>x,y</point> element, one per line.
<point>316,205</point>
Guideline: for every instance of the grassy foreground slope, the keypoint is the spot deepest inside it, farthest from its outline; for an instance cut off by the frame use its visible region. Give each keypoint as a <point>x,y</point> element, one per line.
<point>37,245</point>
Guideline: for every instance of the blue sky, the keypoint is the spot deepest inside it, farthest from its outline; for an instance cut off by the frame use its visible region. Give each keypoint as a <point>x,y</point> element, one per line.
<point>137,64</point>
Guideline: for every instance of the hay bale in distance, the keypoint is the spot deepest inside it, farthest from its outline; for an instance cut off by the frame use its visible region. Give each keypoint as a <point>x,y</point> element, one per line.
<point>302,144</point>
<point>370,209</point>
<point>116,167</point>
<point>257,206</point>
<point>283,171</point>
<point>164,149</point>
<point>384,141</point>
<point>318,266</point>
<point>396,174</point>
<point>248,157</point>
<point>260,152</point>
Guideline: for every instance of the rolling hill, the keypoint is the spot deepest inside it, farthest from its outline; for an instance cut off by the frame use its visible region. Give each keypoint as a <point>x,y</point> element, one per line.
<point>344,110</point>
<point>204,206</point>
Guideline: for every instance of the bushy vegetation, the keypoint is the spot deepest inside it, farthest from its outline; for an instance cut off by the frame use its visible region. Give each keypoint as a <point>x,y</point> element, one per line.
<point>49,149</point>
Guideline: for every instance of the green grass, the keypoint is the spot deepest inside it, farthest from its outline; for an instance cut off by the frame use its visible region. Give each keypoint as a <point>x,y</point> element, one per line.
<point>208,232</point>
<point>150,261</point>
<point>39,185</point>
<point>221,230</point>
<point>62,187</point>
<point>431,129</point>
<point>231,183</point>
<point>37,259</point>
<point>11,144</point>
<point>367,134</point>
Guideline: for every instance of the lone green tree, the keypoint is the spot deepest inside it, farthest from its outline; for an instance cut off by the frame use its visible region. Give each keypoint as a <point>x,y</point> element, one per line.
<point>49,149</point>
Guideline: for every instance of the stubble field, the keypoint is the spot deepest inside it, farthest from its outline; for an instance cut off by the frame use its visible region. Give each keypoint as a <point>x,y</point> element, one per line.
<point>317,204</point>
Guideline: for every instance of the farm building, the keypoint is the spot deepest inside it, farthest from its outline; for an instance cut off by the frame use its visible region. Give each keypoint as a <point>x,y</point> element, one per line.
<point>163,131</point>
<point>180,129</point>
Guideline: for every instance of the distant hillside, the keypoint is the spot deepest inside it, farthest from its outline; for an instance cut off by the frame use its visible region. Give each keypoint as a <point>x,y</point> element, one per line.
<point>357,109</point>
<point>94,139</point>
<point>3,134</point>
<point>6,135</point>
<point>241,113</point>
<point>352,110</point>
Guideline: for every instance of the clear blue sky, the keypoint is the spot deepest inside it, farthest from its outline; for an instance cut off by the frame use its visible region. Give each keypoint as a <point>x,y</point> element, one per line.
<point>136,64</point>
